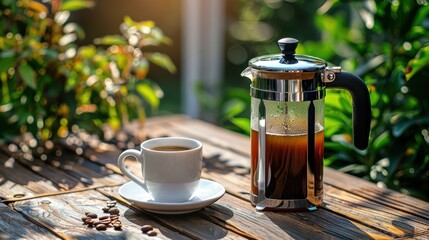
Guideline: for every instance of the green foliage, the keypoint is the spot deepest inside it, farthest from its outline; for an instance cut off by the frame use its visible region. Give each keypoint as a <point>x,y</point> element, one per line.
<point>385,46</point>
<point>49,83</point>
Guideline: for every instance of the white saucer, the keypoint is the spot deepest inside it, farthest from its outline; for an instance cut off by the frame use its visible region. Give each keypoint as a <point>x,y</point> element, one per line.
<point>206,194</point>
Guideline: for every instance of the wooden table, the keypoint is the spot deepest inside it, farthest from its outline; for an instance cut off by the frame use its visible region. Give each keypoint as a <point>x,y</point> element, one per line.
<point>44,196</point>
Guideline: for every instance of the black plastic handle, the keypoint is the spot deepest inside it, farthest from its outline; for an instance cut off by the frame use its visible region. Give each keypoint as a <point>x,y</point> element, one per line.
<point>361,106</point>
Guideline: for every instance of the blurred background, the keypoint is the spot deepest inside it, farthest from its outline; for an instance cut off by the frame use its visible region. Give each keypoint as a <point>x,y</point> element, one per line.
<point>212,41</point>
<point>204,45</point>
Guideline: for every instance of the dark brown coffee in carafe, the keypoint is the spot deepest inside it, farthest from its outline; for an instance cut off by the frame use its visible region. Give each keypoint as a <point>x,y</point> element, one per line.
<point>286,166</point>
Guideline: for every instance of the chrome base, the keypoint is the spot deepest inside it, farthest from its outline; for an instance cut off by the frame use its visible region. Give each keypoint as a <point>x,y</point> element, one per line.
<point>262,203</point>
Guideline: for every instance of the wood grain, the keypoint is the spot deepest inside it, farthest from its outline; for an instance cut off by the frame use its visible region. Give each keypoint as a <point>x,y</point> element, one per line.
<point>389,220</point>
<point>239,216</point>
<point>11,227</point>
<point>63,214</point>
<point>189,224</point>
<point>88,172</point>
<point>61,179</point>
<point>17,180</point>
<point>371,192</point>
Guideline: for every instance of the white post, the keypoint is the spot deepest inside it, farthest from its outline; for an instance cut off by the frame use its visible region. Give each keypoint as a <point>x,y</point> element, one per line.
<point>202,52</point>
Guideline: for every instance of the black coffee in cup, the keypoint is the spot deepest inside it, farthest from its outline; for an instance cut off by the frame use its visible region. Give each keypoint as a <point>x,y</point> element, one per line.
<point>170,148</point>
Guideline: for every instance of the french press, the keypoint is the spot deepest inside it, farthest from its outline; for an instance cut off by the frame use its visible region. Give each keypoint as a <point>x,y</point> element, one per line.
<point>287,125</point>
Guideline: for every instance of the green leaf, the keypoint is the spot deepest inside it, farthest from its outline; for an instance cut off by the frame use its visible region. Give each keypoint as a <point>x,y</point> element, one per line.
<point>232,108</point>
<point>417,73</point>
<point>28,75</point>
<point>72,5</point>
<point>345,104</point>
<point>337,146</point>
<point>381,141</point>
<point>242,123</point>
<point>87,51</point>
<point>6,63</point>
<point>49,54</point>
<point>162,60</point>
<point>402,126</point>
<point>111,40</point>
<point>149,94</point>
<point>7,53</point>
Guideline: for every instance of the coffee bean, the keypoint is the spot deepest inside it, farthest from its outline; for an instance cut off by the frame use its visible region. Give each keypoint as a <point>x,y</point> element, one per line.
<point>115,221</point>
<point>105,221</point>
<point>146,228</point>
<point>117,226</point>
<point>151,233</point>
<point>89,221</point>
<point>85,218</point>
<point>100,227</point>
<point>114,211</point>
<point>114,217</point>
<point>104,217</point>
<point>105,209</point>
<point>91,215</point>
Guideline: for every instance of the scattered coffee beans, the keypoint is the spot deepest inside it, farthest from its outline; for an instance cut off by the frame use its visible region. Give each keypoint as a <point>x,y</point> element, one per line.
<point>146,228</point>
<point>108,221</point>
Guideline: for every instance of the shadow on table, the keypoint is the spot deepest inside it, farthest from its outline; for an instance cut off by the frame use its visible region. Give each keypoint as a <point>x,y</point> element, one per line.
<point>320,224</point>
<point>215,163</point>
<point>197,224</point>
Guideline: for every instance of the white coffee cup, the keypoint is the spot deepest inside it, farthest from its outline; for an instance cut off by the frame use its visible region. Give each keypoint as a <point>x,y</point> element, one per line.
<point>169,174</point>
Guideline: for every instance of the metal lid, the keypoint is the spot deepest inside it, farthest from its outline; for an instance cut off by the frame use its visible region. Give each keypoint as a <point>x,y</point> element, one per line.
<point>287,65</point>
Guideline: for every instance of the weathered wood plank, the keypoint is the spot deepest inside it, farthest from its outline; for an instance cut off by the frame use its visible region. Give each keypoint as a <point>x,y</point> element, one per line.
<point>63,213</point>
<point>18,181</point>
<point>238,215</point>
<point>319,224</point>
<point>58,177</point>
<point>189,224</point>
<point>390,220</point>
<point>373,193</point>
<point>86,171</point>
<point>12,227</point>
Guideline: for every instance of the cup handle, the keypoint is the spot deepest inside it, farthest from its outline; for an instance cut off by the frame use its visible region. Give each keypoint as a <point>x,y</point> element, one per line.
<point>136,154</point>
